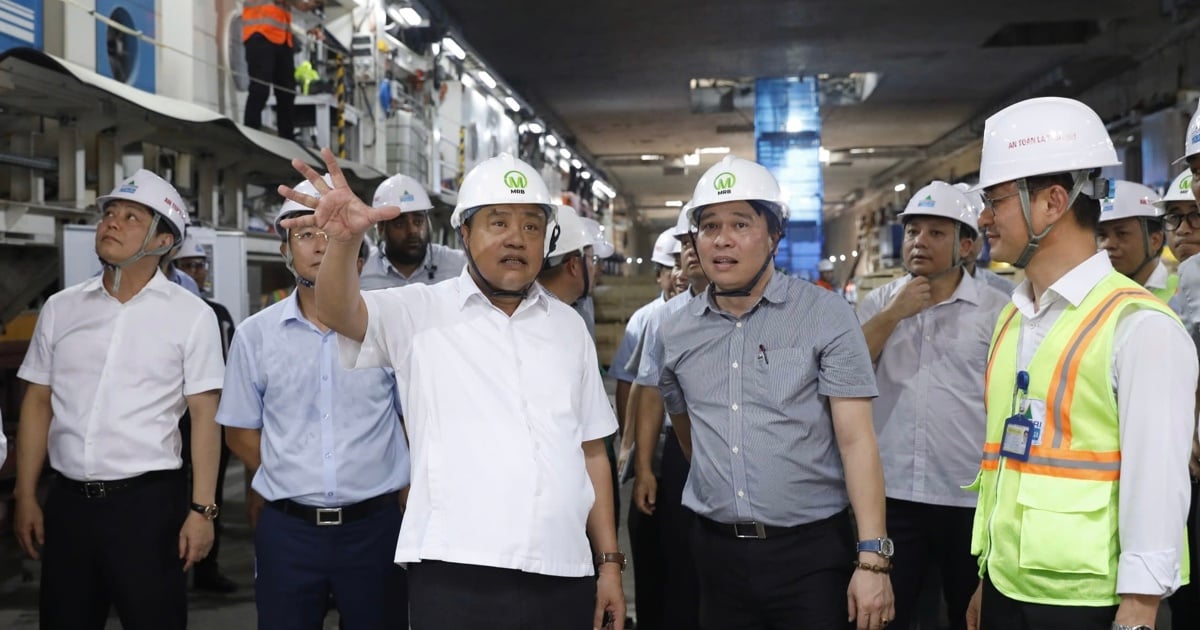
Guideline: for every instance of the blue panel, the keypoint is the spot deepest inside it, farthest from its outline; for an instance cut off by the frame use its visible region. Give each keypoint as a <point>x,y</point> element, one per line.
<point>787,134</point>
<point>137,65</point>
<point>20,24</point>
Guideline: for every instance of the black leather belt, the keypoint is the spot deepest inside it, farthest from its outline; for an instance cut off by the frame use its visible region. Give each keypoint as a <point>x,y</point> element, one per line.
<point>325,516</point>
<point>105,489</point>
<point>760,531</point>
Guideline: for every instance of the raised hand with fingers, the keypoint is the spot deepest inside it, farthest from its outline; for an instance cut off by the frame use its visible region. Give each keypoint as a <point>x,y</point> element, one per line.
<point>337,211</point>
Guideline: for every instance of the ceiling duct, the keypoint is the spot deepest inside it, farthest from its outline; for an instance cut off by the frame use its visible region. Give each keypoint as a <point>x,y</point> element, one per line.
<point>716,96</point>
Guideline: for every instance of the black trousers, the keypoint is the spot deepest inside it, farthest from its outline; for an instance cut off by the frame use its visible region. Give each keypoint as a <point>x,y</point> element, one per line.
<point>445,596</point>
<point>209,563</point>
<point>649,566</point>
<point>999,612</point>
<point>270,66</point>
<point>929,536</point>
<point>796,581</point>
<point>681,586</point>
<point>121,551</point>
<point>1185,603</point>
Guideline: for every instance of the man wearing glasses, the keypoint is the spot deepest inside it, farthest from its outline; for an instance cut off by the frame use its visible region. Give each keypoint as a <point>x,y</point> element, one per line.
<point>326,451</point>
<point>406,255</point>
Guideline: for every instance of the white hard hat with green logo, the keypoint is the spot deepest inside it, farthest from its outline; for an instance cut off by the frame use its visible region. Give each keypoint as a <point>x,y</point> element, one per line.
<point>498,181</point>
<point>1180,190</point>
<point>738,179</point>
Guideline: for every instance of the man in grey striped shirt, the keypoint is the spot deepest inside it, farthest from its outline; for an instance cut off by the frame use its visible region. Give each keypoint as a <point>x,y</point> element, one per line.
<point>769,384</point>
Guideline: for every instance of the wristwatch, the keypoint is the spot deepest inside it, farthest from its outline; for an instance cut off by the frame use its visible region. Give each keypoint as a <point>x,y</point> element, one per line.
<point>210,512</point>
<point>881,546</point>
<point>615,557</point>
<point>1117,626</point>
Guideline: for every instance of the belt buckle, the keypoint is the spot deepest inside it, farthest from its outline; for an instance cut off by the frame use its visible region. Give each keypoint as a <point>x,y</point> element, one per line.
<point>329,516</point>
<point>95,490</point>
<point>749,529</point>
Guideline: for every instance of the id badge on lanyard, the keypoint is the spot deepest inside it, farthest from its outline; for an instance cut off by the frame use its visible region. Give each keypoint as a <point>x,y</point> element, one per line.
<point>1019,429</point>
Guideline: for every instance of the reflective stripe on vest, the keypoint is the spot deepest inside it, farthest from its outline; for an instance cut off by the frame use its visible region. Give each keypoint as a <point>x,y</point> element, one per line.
<point>1045,530</point>
<point>267,18</point>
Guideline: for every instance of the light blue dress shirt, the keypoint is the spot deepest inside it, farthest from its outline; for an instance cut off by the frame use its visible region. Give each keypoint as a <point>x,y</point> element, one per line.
<point>330,436</point>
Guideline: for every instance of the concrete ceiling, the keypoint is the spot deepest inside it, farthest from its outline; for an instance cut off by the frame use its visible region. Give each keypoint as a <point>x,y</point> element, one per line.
<point>616,73</point>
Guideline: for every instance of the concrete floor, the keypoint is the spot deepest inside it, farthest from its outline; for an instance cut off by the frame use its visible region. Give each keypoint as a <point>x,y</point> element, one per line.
<point>19,575</point>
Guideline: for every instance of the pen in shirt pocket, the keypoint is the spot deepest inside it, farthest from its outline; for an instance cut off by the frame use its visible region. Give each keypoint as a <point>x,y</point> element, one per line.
<point>762,354</point>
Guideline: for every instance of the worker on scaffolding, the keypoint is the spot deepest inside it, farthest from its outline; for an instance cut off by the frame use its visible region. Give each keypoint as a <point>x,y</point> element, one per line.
<point>267,36</point>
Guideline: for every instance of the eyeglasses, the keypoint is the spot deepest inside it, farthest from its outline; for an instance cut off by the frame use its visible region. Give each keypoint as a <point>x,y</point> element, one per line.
<point>307,236</point>
<point>1171,222</point>
<point>990,202</point>
<point>192,265</point>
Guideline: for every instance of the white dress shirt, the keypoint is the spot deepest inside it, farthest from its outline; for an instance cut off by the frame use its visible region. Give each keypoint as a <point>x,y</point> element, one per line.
<point>119,374</point>
<point>1158,278</point>
<point>929,415</point>
<point>497,408</point>
<point>1154,371</point>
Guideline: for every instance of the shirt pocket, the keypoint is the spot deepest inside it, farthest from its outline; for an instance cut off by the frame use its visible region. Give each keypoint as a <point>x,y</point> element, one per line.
<point>783,374</point>
<point>1066,525</point>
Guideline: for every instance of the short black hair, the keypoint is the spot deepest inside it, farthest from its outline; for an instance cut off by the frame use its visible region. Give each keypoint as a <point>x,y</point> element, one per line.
<point>1085,209</point>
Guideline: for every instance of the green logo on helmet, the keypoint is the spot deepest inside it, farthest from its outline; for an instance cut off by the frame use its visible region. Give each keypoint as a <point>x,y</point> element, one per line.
<point>724,183</point>
<point>1185,184</point>
<point>516,181</point>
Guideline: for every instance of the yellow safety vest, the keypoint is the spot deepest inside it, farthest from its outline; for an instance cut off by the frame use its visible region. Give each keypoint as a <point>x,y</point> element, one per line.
<point>1166,293</point>
<point>1045,530</point>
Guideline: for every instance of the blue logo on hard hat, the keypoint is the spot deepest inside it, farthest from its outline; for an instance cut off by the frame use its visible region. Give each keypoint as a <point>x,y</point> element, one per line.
<point>407,196</point>
<point>1196,137</point>
<point>927,202</point>
<point>128,187</point>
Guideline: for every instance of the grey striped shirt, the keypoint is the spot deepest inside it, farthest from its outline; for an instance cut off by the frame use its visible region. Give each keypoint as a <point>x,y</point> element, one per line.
<point>757,390</point>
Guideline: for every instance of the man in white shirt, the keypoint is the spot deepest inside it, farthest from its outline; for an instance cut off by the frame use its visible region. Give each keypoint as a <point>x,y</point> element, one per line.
<point>928,335</point>
<point>1083,487</point>
<point>113,364</point>
<point>504,407</point>
<point>406,254</point>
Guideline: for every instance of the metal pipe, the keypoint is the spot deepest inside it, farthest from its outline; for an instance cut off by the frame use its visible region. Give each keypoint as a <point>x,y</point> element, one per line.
<point>37,164</point>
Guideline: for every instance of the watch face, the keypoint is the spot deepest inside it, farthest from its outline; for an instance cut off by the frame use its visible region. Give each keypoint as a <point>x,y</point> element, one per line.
<point>886,547</point>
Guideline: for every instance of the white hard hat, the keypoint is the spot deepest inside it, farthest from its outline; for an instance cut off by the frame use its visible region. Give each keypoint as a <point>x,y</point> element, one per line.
<point>155,193</point>
<point>291,208</point>
<point>501,180</point>
<point>600,247</point>
<point>402,192</point>
<point>939,199</point>
<point>825,265</point>
<point>572,235</point>
<point>974,198</point>
<point>1180,190</point>
<point>191,248</point>
<point>1191,142</point>
<point>738,179</point>
<point>1131,200</point>
<point>683,224</point>
<point>1043,136</point>
<point>662,248</point>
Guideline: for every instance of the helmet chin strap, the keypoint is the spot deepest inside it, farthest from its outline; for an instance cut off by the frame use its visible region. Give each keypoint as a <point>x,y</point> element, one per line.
<point>1146,243</point>
<point>1079,179</point>
<point>142,252</point>
<point>490,289</point>
<point>290,261</point>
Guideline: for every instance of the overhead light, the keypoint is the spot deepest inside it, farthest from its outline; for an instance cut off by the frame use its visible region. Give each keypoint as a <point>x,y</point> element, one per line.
<point>565,153</point>
<point>842,258</point>
<point>410,16</point>
<point>713,150</point>
<point>833,259</point>
<point>628,261</point>
<point>823,155</point>
<point>552,141</point>
<point>565,166</point>
<point>639,260</point>
<point>467,80</point>
<point>860,150</point>
<point>535,127</point>
<point>691,159</point>
<point>487,79</point>
<point>900,188</point>
<point>585,175</point>
<point>603,189</point>
<point>512,103</point>
<point>651,157</point>
<point>453,49</point>
<point>674,203</point>
<point>854,253</point>
<point>576,163</point>
<point>794,125</point>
